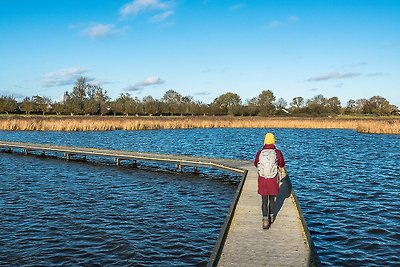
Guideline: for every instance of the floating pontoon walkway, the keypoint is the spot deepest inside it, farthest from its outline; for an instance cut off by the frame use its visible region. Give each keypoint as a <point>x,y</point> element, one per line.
<point>242,241</point>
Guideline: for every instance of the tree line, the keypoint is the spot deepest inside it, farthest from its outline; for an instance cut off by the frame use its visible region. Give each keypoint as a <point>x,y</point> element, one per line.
<point>89,99</point>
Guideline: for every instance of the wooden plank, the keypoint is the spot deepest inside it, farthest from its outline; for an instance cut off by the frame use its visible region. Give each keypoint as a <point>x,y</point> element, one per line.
<point>175,159</point>
<point>247,244</point>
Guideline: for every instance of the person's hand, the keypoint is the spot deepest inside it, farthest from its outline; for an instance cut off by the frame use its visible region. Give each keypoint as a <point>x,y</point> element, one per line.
<point>283,172</point>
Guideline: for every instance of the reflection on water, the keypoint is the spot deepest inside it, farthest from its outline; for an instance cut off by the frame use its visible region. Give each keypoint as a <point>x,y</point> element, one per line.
<point>347,184</point>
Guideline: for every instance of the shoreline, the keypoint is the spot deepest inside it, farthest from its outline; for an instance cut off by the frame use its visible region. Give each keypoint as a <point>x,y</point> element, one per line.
<point>376,125</point>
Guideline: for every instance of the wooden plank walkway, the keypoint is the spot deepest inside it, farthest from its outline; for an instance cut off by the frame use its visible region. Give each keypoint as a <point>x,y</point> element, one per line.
<point>119,155</point>
<point>284,244</point>
<point>242,240</point>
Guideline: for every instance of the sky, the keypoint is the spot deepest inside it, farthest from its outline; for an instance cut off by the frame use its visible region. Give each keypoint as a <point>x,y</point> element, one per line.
<point>202,48</point>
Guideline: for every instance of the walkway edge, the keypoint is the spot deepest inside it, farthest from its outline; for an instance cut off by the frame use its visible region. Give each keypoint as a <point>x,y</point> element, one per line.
<point>314,255</point>
<point>216,253</point>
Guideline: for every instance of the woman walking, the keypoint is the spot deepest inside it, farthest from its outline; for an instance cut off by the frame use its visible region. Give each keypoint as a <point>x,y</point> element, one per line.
<point>270,165</point>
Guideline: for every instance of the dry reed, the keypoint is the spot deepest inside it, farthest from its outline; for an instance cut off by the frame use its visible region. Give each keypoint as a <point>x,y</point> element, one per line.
<point>85,123</point>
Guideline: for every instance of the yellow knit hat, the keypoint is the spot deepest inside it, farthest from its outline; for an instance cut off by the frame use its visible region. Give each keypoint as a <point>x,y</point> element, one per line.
<point>269,139</point>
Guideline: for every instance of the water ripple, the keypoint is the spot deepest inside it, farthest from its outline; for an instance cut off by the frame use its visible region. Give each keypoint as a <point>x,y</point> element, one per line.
<point>347,184</point>
<point>59,213</point>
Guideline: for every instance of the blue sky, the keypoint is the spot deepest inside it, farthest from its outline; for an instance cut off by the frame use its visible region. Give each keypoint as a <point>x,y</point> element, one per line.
<point>202,48</point>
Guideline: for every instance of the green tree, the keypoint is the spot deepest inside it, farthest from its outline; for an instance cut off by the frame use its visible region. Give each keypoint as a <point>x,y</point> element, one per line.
<point>265,103</point>
<point>362,106</point>
<point>350,107</point>
<point>150,106</point>
<point>41,104</point>
<point>380,106</point>
<point>200,108</point>
<point>115,107</point>
<point>125,104</point>
<point>187,105</point>
<point>27,105</point>
<point>96,100</point>
<point>172,101</point>
<point>317,105</point>
<point>8,104</point>
<point>58,108</point>
<point>333,104</point>
<point>91,106</point>
<point>75,101</point>
<point>251,107</point>
<point>227,103</point>
<point>74,106</point>
<point>79,89</point>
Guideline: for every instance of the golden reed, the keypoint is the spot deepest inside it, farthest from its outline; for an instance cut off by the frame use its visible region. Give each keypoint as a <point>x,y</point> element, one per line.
<point>97,123</point>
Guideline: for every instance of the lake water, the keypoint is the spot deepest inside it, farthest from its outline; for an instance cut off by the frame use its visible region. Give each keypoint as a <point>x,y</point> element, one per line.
<point>55,212</point>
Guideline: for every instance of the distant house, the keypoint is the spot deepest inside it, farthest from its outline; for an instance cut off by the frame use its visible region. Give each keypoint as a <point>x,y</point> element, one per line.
<point>285,110</point>
<point>395,111</point>
<point>66,97</point>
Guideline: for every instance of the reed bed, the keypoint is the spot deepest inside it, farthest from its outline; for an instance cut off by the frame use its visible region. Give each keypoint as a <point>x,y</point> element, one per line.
<point>85,123</point>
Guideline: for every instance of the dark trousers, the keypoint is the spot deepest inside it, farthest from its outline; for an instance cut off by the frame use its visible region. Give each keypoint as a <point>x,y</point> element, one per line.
<point>268,205</point>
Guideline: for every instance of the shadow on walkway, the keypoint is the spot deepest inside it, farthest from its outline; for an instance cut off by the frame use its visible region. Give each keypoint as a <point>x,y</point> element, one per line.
<point>284,192</point>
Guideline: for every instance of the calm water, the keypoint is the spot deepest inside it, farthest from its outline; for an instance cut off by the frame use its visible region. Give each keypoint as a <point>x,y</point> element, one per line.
<point>61,213</point>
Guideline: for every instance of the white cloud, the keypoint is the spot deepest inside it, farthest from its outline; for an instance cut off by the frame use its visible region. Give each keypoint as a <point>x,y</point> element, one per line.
<point>12,94</point>
<point>161,17</point>
<point>150,81</point>
<point>207,70</point>
<point>203,93</point>
<point>358,64</point>
<point>153,80</point>
<point>375,74</point>
<point>333,75</point>
<point>237,7</point>
<point>340,85</point>
<point>74,26</point>
<point>293,18</point>
<point>279,23</point>
<point>133,88</point>
<point>103,30</point>
<point>137,6</point>
<point>63,77</point>
<point>275,24</point>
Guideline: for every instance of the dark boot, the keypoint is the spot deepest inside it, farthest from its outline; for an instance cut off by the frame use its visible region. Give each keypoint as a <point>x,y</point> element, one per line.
<point>271,218</point>
<point>265,223</point>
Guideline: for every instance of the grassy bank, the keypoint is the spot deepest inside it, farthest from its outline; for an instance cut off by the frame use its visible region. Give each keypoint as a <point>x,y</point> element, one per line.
<point>84,123</point>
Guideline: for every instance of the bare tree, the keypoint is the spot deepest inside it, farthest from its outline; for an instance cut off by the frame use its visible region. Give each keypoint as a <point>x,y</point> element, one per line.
<point>297,104</point>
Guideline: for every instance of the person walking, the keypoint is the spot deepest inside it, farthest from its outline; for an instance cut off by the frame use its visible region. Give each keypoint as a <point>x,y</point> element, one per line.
<point>270,166</point>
